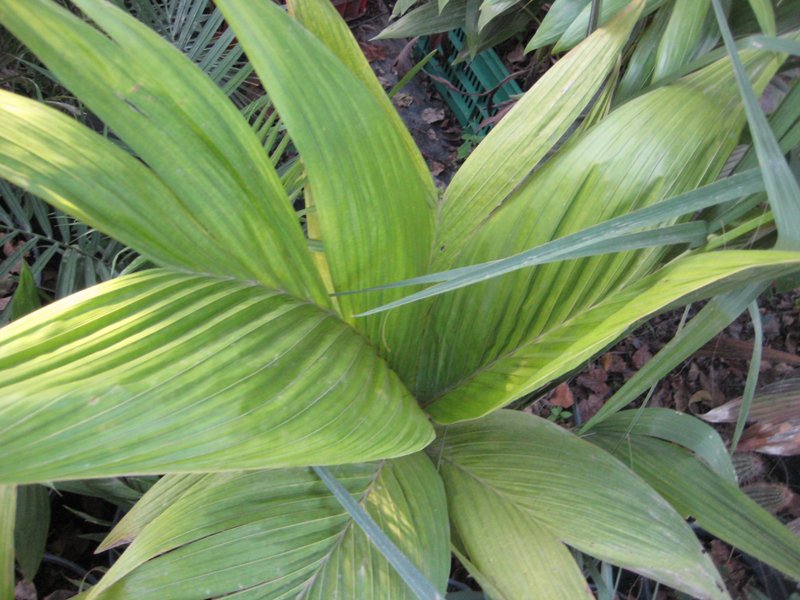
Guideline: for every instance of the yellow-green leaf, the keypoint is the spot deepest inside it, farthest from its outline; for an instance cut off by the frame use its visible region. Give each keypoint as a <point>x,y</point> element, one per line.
<point>280,533</point>
<point>172,372</point>
<point>223,199</point>
<point>514,464</point>
<point>374,200</point>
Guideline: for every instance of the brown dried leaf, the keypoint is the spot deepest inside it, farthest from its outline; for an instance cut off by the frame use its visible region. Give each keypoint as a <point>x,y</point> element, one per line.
<point>595,381</point>
<point>433,115</point>
<point>562,396</point>
<point>25,590</point>
<point>502,112</point>
<point>701,396</point>
<point>732,349</point>
<point>613,363</point>
<point>437,168</point>
<point>775,438</point>
<point>517,55</point>
<point>776,402</point>
<point>732,570</point>
<point>590,407</point>
<point>403,100</point>
<point>373,52</point>
<point>641,356</point>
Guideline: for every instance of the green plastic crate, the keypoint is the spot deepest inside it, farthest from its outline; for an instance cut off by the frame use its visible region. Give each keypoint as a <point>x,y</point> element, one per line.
<point>471,78</point>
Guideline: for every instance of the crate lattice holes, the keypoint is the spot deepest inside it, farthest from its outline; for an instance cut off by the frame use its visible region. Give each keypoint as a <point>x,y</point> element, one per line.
<point>473,78</point>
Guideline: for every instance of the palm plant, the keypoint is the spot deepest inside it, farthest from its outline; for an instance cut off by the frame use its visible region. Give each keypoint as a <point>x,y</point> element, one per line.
<point>85,256</point>
<point>240,361</point>
<point>670,35</point>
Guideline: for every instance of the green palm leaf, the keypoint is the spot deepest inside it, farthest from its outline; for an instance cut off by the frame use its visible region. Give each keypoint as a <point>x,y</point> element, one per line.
<point>696,491</point>
<point>526,134</point>
<point>648,149</point>
<point>370,186</point>
<point>566,346</point>
<point>168,372</point>
<point>182,126</point>
<point>292,538</point>
<point>508,468</point>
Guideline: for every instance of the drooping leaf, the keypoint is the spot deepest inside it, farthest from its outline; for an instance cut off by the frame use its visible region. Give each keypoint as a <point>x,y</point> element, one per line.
<point>717,505</point>
<point>514,463</point>
<point>281,533</point>
<point>678,428</point>
<point>31,527</point>
<point>171,372</point>
<point>213,191</point>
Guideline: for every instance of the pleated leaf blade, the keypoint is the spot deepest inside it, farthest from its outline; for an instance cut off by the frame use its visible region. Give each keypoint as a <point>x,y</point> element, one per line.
<point>372,192</point>
<point>717,505</point>
<point>281,533</point>
<point>526,134</point>
<point>563,348</point>
<point>172,372</point>
<point>182,126</point>
<point>595,504</point>
<point>660,145</point>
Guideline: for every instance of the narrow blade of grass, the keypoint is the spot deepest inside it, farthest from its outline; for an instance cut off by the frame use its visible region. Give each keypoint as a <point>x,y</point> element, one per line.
<point>418,583</point>
<point>610,236</point>
<point>782,189</point>
<point>752,374</point>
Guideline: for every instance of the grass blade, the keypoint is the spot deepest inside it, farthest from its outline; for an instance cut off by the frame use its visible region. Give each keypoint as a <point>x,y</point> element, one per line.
<point>783,191</point>
<point>713,318</point>
<point>609,236</point>
<point>416,581</point>
<point>684,233</point>
<point>752,375</point>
